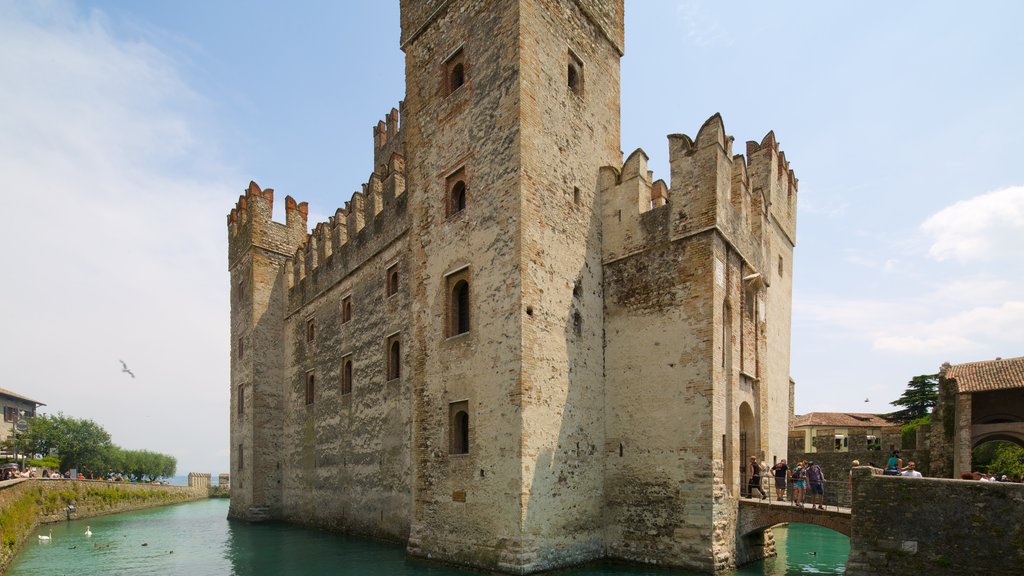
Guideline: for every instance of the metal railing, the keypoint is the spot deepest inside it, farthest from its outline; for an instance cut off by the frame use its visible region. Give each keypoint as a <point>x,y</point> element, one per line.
<point>834,494</point>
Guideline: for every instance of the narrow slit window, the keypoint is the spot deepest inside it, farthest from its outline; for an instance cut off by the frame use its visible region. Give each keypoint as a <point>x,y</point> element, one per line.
<point>346,375</point>
<point>394,358</point>
<point>574,74</point>
<point>310,388</point>
<point>310,329</point>
<point>346,309</point>
<point>458,422</point>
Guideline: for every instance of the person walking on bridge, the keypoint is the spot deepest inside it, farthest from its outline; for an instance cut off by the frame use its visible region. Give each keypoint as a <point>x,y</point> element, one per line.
<point>816,478</point>
<point>754,469</point>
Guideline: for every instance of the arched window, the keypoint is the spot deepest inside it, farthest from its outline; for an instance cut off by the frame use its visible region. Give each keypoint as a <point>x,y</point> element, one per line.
<point>460,308</point>
<point>457,198</point>
<point>346,376</point>
<point>392,280</point>
<point>394,359</point>
<point>458,422</point>
<point>310,387</point>
<point>458,76</point>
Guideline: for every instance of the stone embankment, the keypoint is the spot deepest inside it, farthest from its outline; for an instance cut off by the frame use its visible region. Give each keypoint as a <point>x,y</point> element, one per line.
<point>26,503</point>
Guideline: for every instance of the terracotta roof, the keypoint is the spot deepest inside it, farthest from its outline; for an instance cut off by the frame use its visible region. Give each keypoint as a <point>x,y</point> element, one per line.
<point>998,374</point>
<point>840,420</point>
<point>6,392</point>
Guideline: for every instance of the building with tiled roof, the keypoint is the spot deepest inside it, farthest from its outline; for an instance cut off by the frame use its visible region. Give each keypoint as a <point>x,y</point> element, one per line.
<point>844,431</point>
<point>15,407</point>
<point>978,402</point>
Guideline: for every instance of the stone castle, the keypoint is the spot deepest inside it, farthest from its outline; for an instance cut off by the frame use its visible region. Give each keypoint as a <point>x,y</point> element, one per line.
<point>512,350</point>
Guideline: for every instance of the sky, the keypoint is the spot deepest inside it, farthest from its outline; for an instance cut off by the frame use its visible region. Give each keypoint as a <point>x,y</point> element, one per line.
<point>128,130</point>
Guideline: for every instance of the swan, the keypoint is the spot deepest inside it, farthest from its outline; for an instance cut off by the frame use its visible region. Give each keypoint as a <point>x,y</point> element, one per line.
<point>88,532</point>
<point>46,538</point>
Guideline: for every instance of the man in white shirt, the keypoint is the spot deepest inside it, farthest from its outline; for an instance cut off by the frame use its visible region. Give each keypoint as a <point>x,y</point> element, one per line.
<point>911,471</point>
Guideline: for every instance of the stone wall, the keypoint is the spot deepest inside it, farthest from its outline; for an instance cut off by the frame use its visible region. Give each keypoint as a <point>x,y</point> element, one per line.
<point>24,504</point>
<point>935,526</point>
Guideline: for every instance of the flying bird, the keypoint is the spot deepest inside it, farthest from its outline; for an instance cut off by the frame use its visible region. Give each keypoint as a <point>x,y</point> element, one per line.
<point>124,368</point>
<point>867,400</point>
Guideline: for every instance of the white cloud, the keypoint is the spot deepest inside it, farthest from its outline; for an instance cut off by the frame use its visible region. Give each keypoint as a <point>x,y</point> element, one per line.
<point>965,316</point>
<point>115,211</point>
<point>986,227</point>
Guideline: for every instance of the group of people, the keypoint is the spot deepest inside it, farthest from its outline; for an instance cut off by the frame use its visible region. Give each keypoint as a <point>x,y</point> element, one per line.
<point>806,475</point>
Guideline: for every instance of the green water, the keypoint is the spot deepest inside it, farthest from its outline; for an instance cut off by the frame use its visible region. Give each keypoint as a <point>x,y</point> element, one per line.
<point>197,540</point>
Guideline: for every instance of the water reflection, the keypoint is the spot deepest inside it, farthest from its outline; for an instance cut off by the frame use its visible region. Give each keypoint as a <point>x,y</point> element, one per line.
<point>197,540</point>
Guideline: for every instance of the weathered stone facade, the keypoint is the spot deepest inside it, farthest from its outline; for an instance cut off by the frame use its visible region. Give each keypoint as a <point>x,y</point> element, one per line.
<point>906,525</point>
<point>510,350</point>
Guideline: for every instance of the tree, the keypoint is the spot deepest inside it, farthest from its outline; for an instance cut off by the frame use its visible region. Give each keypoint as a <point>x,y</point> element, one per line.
<point>81,444</point>
<point>917,400</point>
<point>146,466</point>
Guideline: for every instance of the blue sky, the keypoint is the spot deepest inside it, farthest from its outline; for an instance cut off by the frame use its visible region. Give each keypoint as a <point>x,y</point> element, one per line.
<point>128,129</point>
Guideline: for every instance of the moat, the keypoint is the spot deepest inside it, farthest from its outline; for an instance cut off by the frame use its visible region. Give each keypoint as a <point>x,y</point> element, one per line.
<point>197,539</point>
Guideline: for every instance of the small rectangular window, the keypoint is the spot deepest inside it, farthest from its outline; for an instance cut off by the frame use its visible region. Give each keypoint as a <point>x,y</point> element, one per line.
<point>346,309</point>
<point>310,329</point>
<point>457,192</point>
<point>241,291</point>
<point>241,347</point>
<point>310,387</point>
<point>574,74</point>
<point>455,72</point>
<point>391,280</point>
<point>346,375</point>
<point>9,412</point>
<point>394,357</point>
<point>241,457</point>
<point>241,399</point>
<point>458,427</point>
<point>781,268</point>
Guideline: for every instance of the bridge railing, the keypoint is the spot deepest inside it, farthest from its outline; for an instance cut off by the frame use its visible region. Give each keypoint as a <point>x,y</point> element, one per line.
<point>835,494</point>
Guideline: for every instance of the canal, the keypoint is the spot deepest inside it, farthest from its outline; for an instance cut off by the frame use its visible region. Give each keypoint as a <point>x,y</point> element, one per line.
<point>196,539</point>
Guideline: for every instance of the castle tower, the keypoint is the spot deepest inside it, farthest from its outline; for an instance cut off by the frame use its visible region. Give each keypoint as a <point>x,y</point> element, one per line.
<point>258,249</point>
<point>694,312</point>
<point>511,108</point>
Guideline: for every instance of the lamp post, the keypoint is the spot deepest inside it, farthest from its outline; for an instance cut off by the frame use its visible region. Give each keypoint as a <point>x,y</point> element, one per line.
<point>19,425</point>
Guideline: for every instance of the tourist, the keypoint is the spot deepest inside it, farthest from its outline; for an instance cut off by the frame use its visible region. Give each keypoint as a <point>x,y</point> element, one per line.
<point>755,479</point>
<point>780,471</point>
<point>910,471</point>
<point>895,464</point>
<point>799,475</point>
<point>816,480</point>
<point>849,481</point>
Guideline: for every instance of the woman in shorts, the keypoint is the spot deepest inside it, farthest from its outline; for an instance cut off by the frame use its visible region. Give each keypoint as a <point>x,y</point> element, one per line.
<point>799,483</point>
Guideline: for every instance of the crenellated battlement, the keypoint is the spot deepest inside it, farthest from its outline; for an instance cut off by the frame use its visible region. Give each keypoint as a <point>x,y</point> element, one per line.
<point>710,189</point>
<point>388,139</point>
<point>250,223</point>
<point>370,217</point>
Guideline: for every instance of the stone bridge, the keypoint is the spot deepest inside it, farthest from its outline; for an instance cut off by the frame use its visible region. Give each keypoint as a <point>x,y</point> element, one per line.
<point>900,525</point>
<point>754,516</point>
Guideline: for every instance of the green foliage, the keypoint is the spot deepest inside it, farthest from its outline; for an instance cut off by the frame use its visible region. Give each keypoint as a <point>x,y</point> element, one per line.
<point>999,457</point>
<point>49,462</point>
<point>146,466</point>
<point>909,430</point>
<point>85,445</point>
<point>917,400</point>
<point>81,444</point>
<point>16,517</point>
